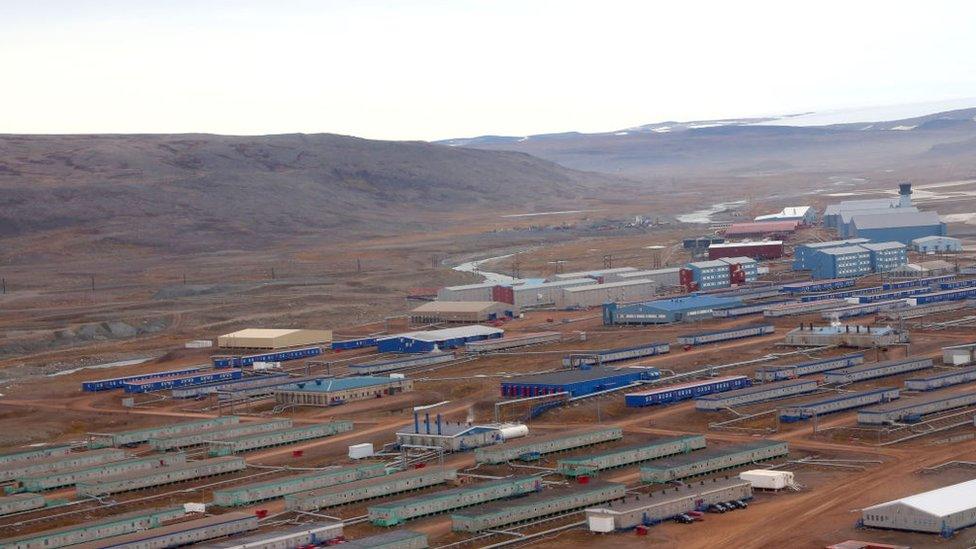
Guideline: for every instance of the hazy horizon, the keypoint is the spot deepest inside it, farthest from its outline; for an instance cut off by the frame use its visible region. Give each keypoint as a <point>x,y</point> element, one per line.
<point>435,69</point>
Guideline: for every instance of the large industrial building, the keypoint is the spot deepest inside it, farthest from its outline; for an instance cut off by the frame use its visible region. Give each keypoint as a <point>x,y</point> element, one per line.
<point>544,294</point>
<point>436,312</point>
<point>666,311</point>
<point>333,391</point>
<point>762,228</point>
<point>482,291</point>
<point>576,382</point>
<point>885,219</point>
<point>903,227</point>
<point>261,338</point>
<point>940,511</point>
<point>804,214</point>
<point>668,277</point>
<point>432,340</point>
<point>599,275</point>
<point>936,244</point>
<point>771,249</point>
<point>595,295</point>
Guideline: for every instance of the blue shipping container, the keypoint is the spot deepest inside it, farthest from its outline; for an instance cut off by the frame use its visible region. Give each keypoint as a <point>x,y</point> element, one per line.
<point>118,382</point>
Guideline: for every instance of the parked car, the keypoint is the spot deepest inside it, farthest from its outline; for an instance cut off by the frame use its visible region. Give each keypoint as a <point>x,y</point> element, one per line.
<point>742,504</point>
<point>716,508</point>
<point>683,519</point>
<point>695,514</point>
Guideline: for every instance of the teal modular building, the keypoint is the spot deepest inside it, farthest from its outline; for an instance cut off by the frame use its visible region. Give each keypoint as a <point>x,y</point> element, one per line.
<point>665,311</point>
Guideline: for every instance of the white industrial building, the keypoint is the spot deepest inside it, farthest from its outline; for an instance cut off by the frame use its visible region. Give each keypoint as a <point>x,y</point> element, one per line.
<point>667,277</point>
<point>936,244</point>
<point>766,479</point>
<point>941,511</point>
<point>603,275</point>
<point>804,214</point>
<point>957,355</point>
<point>598,294</point>
<point>467,292</point>
<point>546,293</point>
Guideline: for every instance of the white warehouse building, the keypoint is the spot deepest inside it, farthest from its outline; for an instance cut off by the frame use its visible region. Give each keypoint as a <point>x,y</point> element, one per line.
<point>597,294</point>
<point>545,293</point>
<point>940,511</point>
<point>936,244</point>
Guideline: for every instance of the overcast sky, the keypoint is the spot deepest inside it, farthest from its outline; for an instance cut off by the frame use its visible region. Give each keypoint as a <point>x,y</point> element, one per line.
<point>425,69</point>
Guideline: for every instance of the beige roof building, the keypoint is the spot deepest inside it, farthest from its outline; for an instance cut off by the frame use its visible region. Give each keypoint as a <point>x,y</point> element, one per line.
<point>269,338</point>
<point>461,311</point>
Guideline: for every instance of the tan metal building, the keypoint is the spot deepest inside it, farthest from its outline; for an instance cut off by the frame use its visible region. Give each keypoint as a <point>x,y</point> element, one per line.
<point>332,391</point>
<point>597,294</point>
<point>461,311</point>
<point>268,338</point>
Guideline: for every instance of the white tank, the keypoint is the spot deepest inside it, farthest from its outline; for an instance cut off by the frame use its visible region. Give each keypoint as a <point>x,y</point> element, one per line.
<point>513,430</point>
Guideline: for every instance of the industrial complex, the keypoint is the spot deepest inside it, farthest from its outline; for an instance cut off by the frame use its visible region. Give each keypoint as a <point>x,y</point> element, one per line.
<point>758,368</point>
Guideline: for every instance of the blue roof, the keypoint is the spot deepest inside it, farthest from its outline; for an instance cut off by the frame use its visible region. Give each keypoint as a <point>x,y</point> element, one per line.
<point>338,384</point>
<point>692,302</point>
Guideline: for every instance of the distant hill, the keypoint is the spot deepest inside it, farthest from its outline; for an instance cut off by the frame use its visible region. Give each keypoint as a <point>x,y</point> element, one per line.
<point>792,144</point>
<point>197,192</point>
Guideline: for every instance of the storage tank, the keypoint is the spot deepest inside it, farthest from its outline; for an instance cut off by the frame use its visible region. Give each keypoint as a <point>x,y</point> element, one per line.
<point>513,430</point>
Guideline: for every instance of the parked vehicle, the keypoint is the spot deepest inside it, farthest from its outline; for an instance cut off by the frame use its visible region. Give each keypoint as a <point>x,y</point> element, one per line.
<point>683,519</point>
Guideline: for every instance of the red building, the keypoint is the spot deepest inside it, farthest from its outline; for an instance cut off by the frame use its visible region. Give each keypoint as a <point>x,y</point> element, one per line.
<point>772,249</point>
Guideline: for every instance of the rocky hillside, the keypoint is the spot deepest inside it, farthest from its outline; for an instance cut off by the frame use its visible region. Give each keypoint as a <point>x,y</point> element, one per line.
<point>198,192</point>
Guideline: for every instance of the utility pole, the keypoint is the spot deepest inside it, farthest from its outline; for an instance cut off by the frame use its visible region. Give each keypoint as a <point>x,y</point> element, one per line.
<point>184,279</point>
<point>4,282</point>
<point>272,273</point>
<point>93,283</point>
<point>359,265</point>
<point>515,265</point>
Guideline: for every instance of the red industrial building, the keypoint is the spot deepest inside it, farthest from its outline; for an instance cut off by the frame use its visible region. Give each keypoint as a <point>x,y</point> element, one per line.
<point>765,228</point>
<point>772,249</point>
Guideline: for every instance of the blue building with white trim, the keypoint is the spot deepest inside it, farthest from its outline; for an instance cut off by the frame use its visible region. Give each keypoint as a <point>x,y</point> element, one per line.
<point>710,274</point>
<point>803,253</point>
<point>665,311</point>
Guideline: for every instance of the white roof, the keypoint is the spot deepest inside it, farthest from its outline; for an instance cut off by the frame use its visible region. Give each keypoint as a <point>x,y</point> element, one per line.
<point>260,332</point>
<point>472,286</point>
<point>746,243</point>
<point>653,272</point>
<point>787,212</point>
<point>591,287</point>
<point>600,272</point>
<point>934,238</point>
<point>450,333</point>
<point>554,284</point>
<point>939,502</point>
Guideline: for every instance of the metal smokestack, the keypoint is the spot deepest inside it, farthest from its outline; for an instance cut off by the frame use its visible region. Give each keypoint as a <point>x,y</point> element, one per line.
<point>905,194</point>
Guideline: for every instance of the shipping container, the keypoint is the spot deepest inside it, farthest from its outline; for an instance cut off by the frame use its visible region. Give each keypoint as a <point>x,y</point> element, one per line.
<point>137,436</point>
<point>711,460</point>
<point>530,449</point>
<point>48,464</point>
<point>548,502</point>
<point>918,282</point>
<point>604,356</point>
<point>380,366</point>
<point>754,394</point>
<point>118,382</point>
<point>874,370</point>
<point>704,338</point>
<point>160,476</point>
<point>161,383</point>
<point>73,475</point>
<point>836,403</point>
<point>370,488</point>
<point>685,391</point>
<point>247,494</point>
<point>274,356</point>
<point>397,512</point>
<point>593,463</point>
<point>779,372</point>
<point>280,437</point>
<point>189,440</point>
<point>945,295</point>
<point>819,285</point>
